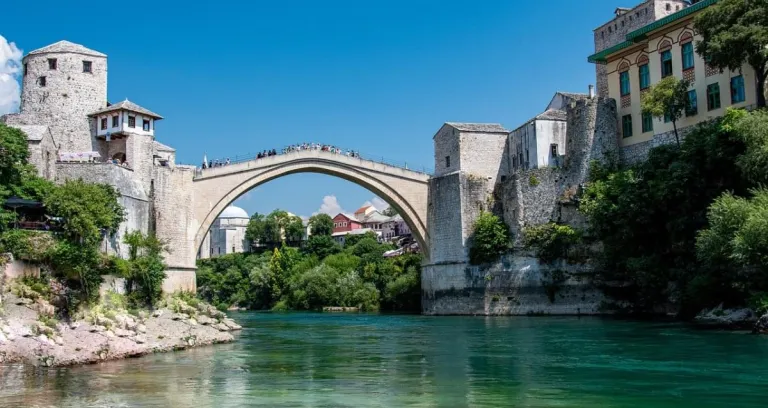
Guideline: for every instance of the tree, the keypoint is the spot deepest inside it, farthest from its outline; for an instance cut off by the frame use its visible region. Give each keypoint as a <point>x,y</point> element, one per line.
<point>667,99</point>
<point>294,229</point>
<point>321,224</point>
<point>322,246</point>
<point>390,211</point>
<point>88,210</point>
<point>255,230</point>
<point>735,32</point>
<point>146,267</point>
<point>490,239</point>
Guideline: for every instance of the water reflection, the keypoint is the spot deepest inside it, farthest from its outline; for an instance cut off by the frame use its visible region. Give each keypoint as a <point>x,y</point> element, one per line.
<point>321,360</point>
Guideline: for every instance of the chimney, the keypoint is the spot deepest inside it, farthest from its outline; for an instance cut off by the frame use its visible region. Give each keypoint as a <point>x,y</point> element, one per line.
<point>591,91</point>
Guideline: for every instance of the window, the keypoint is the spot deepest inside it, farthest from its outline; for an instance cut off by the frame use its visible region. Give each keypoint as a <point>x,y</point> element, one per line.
<point>713,96</point>
<point>131,121</point>
<point>666,63</point>
<point>145,125</point>
<point>693,104</point>
<point>115,121</point>
<point>645,77</point>
<point>626,125</point>
<point>41,81</point>
<point>737,89</point>
<point>688,56</point>
<point>647,122</point>
<point>667,117</point>
<point>553,149</point>
<point>624,83</point>
<point>25,69</point>
<point>52,63</point>
<point>103,123</point>
<point>669,7</point>
<point>447,161</point>
<point>87,66</point>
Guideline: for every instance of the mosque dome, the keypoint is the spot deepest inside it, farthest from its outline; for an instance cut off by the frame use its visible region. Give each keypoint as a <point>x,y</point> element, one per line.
<point>233,212</point>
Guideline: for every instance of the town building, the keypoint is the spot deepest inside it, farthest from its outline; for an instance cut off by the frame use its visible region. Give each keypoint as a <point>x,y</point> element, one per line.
<point>73,132</point>
<point>374,220</point>
<point>345,223</point>
<point>395,227</point>
<point>341,237</point>
<point>633,59</point>
<point>227,235</point>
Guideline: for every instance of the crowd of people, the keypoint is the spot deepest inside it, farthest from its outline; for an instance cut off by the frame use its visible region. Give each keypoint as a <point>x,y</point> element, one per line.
<point>292,148</point>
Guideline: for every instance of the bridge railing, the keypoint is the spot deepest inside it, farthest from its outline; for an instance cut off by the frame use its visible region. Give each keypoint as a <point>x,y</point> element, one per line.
<point>330,150</point>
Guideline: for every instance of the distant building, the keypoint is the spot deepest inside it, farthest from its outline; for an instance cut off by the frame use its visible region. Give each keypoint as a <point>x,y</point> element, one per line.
<point>364,211</point>
<point>227,235</point>
<point>374,220</point>
<point>395,227</point>
<point>341,237</point>
<point>345,223</point>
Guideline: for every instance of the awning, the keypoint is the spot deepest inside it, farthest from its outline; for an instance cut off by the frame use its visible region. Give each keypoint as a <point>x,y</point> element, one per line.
<point>16,202</point>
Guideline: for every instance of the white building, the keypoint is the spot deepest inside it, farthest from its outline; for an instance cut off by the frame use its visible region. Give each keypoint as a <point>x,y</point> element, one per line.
<point>227,235</point>
<point>540,142</point>
<point>395,227</point>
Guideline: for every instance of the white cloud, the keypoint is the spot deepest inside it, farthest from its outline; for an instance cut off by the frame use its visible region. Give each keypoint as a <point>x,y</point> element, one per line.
<point>10,69</point>
<point>329,206</point>
<point>377,203</point>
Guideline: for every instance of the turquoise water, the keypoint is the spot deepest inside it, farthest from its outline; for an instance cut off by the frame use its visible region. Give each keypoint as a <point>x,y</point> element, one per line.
<point>349,360</point>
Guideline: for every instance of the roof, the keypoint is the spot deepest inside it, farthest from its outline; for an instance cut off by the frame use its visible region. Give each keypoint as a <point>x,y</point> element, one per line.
<point>478,127</point>
<point>233,212</point>
<point>33,132</point>
<point>359,231</point>
<point>641,33</point>
<point>552,114</point>
<point>362,209</point>
<point>573,95</point>
<point>67,47</point>
<point>348,216</point>
<point>129,106</point>
<point>163,148</point>
<point>376,217</point>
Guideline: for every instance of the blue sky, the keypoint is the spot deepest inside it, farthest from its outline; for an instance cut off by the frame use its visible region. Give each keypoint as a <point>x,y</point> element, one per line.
<point>379,77</point>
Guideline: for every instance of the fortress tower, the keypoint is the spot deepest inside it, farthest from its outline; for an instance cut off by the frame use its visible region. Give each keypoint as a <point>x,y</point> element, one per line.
<point>62,84</point>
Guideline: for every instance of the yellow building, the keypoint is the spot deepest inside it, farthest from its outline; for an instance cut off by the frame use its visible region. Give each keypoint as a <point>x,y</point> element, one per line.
<point>659,49</point>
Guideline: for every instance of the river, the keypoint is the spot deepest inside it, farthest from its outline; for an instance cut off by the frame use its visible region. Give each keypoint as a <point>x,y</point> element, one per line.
<point>350,360</point>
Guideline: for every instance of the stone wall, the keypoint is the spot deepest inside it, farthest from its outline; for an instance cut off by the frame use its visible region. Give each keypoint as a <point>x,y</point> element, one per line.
<point>530,197</point>
<point>446,143</point>
<point>173,218</point>
<point>591,135</point>
<point>484,154</point>
<point>132,197</point>
<point>68,96</point>
<point>516,285</point>
<point>42,155</point>
<point>444,219</point>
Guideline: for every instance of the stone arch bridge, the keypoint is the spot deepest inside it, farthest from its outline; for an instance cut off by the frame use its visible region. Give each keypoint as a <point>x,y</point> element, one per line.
<point>216,188</point>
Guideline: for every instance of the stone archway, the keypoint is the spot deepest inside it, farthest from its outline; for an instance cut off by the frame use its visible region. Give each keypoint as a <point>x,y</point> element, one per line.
<point>216,188</point>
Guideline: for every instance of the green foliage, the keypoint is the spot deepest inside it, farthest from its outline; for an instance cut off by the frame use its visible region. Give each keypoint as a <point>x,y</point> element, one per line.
<point>32,246</point>
<point>285,278</point>
<point>533,181</point>
<point>255,230</point>
<point>551,241</point>
<point>735,32</point>
<point>79,265</point>
<point>759,302</point>
<point>145,269</point>
<point>321,225</point>
<point>322,246</point>
<point>275,228</point>
<point>668,97</point>
<point>648,216</point>
<point>490,239</point>
<point>352,240</point>
<point>89,210</point>
<point>752,129</point>
<point>390,211</point>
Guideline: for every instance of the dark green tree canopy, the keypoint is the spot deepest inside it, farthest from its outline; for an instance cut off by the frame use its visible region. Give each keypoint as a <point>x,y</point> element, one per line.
<point>321,224</point>
<point>735,32</point>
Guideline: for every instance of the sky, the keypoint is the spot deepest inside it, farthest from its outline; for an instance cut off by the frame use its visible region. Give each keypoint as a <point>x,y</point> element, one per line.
<point>380,77</point>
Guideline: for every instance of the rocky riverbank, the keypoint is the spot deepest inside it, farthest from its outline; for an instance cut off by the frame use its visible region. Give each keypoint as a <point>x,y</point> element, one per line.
<point>30,333</point>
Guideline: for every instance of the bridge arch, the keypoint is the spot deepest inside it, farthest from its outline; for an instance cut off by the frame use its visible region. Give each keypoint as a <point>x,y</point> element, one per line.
<point>405,190</point>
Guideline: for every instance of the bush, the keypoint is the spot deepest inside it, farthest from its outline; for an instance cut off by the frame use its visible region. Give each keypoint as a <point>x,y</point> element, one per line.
<point>490,239</point>
<point>32,246</point>
<point>551,241</point>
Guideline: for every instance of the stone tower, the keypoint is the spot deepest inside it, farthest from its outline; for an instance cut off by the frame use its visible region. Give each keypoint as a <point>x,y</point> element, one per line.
<point>62,84</point>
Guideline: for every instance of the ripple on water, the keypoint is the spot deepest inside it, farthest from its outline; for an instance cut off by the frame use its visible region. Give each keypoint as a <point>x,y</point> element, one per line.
<point>359,360</point>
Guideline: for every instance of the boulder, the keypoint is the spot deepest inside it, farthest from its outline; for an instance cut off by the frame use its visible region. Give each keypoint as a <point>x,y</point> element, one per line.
<point>140,338</point>
<point>97,329</point>
<point>58,340</point>
<point>3,339</point>
<point>103,321</point>
<point>125,322</point>
<point>123,333</point>
<point>24,302</point>
<point>761,326</point>
<point>231,324</point>
<point>74,325</point>
<point>205,320</point>
<point>192,322</point>
<point>720,317</point>
<point>157,313</point>
<point>220,327</point>
<point>24,331</point>
<point>178,316</point>
<point>141,328</point>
